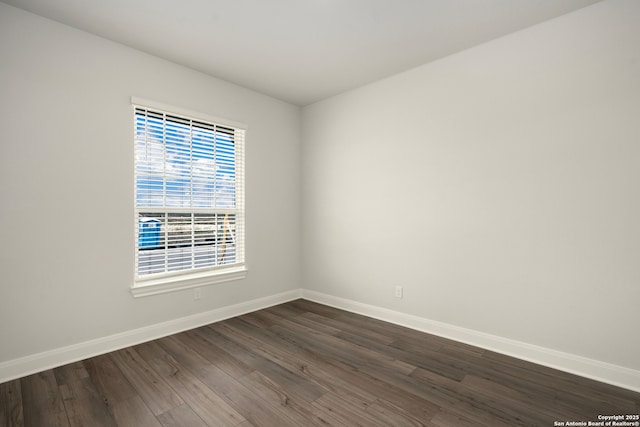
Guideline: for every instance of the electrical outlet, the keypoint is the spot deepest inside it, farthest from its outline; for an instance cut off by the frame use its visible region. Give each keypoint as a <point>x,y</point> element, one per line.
<point>398,291</point>
<point>197,293</point>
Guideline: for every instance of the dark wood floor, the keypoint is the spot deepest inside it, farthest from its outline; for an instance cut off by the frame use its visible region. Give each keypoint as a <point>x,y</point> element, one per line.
<point>305,364</point>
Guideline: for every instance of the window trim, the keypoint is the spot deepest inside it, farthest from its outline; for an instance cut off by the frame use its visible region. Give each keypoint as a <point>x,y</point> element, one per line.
<point>179,282</point>
<point>187,279</point>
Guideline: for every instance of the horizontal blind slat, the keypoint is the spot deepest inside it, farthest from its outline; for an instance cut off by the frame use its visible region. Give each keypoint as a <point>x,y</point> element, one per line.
<point>189,193</point>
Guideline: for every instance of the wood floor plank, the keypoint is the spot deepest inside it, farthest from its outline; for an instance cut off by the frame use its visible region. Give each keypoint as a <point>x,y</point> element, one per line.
<point>398,379</point>
<point>256,320</point>
<point>184,355</point>
<point>605,396</point>
<point>84,404</point>
<point>109,379</point>
<point>309,323</point>
<point>206,343</point>
<point>288,310</point>
<point>265,317</point>
<point>209,406</point>
<point>305,364</point>
<point>459,399</point>
<point>281,375</point>
<point>334,368</point>
<point>306,306</point>
<point>348,328</point>
<point>500,392</point>
<point>11,404</point>
<point>550,388</point>
<point>345,351</point>
<point>124,403</point>
<point>445,418</point>
<point>133,412</point>
<point>238,352</point>
<point>149,350</point>
<point>181,416</point>
<point>345,412</point>
<point>155,392</point>
<point>391,415</point>
<point>270,346</point>
<point>260,412</point>
<point>41,401</point>
<point>405,335</point>
<point>432,361</point>
<point>299,410</point>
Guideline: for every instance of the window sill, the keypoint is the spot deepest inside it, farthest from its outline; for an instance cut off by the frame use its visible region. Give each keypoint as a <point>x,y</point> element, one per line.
<point>143,288</point>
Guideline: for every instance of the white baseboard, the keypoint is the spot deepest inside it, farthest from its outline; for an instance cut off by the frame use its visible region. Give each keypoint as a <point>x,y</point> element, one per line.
<point>31,364</point>
<point>594,369</point>
<point>601,371</point>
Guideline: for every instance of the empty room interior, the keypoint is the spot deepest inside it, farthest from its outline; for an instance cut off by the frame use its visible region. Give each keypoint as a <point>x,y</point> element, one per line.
<point>291,213</point>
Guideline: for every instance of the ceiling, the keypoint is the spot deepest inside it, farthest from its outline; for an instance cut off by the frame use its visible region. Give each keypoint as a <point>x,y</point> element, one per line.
<point>300,51</point>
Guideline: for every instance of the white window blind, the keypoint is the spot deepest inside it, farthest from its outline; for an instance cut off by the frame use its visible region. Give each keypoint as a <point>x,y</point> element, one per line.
<point>189,202</point>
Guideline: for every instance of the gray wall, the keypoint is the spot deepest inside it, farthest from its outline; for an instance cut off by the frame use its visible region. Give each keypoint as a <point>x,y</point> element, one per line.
<point>500,186</point>
<point>66,185</point>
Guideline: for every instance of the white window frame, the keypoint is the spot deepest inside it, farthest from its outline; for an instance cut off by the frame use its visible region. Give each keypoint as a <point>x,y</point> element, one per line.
<point>151,284</point>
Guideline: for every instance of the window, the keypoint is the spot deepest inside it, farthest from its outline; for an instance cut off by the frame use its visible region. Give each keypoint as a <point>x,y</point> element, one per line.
<point>189,204</point>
